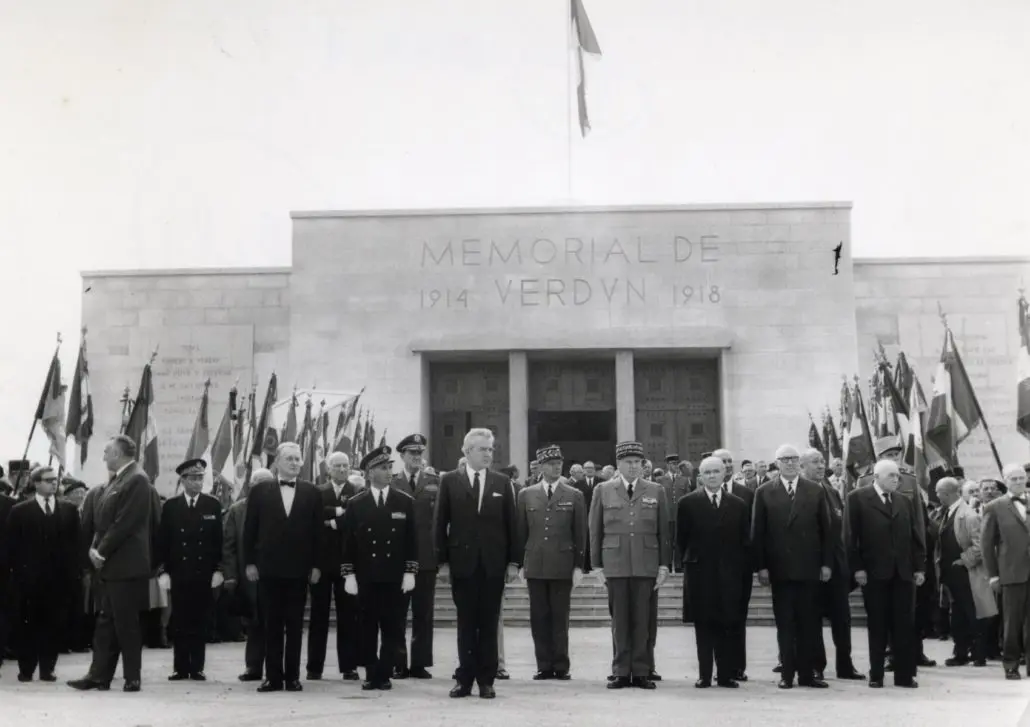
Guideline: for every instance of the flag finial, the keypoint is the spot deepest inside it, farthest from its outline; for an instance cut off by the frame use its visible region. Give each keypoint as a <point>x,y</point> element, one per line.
<point>153,356</point>
<point>207,384</point>
<point>943,316</point>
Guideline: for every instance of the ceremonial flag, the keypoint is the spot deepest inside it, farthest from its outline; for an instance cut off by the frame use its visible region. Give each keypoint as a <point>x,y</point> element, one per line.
<point>586,42</point>
<point>343,440</point>
<point>201,436</point>
<point>50,410</point>
<point>830,435</point>
<point>266,436</point>
<point>954,410</point>
<point>814,441</point>
<point>222,460</point>
<point>80,406</point>
<point>307,438</point>
<point>322,445</point>
<point>289,433</point>
<point>245,450</point>
<point>858,451</point>
<point>142,426</point>
<point>1023,370</point>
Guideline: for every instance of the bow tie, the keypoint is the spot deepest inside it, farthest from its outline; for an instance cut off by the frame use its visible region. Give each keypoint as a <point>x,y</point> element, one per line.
<point>288,484</point>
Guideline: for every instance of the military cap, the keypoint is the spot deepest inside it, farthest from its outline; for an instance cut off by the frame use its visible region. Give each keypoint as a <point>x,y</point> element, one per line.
<point>672,458</point>
<point>378,456</point>
<point>191,467</point>
<point>629,449</point>
<point>548,454</point>
<point>958,471</point>
<point>706,455</point>
<point>412,441</point>
<point>71,484</point>
<point>887,444</point>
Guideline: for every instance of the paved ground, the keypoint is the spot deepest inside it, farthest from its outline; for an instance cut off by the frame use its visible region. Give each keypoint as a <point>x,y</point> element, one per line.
<point>963,697</point>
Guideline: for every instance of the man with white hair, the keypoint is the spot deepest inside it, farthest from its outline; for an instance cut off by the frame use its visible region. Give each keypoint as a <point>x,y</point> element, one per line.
<point>281,540</point>
<point>791,539</point>
<point>1005,543</point>
<point>887,552</point>
<point>476,541</point>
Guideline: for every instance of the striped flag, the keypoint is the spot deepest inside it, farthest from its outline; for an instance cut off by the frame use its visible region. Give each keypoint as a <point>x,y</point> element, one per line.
<point>858,451</point>
<point>80,405</point>
<point>50,410</point>
<point>201,435</point>
<point>1023,370</point>
<point>289,433</point>
<point>954,411</point>
<point>142,426</point>
<point>814,439</point>
<point>830,435</point>
<point>222,460</point>
<point>343,439</point>
<point>307,439</point>
<point>586,42</point>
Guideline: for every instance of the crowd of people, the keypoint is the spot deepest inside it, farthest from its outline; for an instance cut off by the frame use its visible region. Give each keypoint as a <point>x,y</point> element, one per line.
<point>80,568</point>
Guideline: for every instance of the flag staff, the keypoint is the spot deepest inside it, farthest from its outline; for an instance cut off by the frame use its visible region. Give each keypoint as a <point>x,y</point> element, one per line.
<point>35,419</point>
<point>976,401</point>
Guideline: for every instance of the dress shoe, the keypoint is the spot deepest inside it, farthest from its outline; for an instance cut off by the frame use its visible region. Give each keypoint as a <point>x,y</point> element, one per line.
<point>620,683</point>
<point>876,683</point>
<point>178,677</point>
<point>368,686</point>
<point>294,685</point>
<point>702,684</point>
<point>956,661</point>
<point>644,683</point>
<point>727,684</point>
<point>786,684</point>
<point>454,676</point>
<point>48,677</point>
<point>813,683</point>
<point>907,684</point>
<point>740,676</point>
<point>654,676</point>
<point>86,684</point>
<point>778,669</point>
<point>419,672</point>
<point>503,675</point>
<point>24,678</point>
<point>1012,674</point>
<point>267,686</point>
<point>562,676</point>
<point>612,677</point>
<point>314,676</point>
<point>853,674</point>
<point>384,686</point>
<point>979,662</point>
<point>486,691</point>
<point>400,673</point>
<point>944,637</point>
<point>198,676</point>
<point>924,660</point>
<point>249,676</point>
<point>541,676</point>
<point>351,676</point>
<point>819,676</point>
<point>131,685</point>
<point>460,691</point>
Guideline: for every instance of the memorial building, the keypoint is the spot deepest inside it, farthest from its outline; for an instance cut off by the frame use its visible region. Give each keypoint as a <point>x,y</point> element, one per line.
<point>685,327</point>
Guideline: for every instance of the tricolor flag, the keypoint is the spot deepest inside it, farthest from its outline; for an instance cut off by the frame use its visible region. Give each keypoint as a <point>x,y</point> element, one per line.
<point>586,42</point>
<point>343,439</point>
<point>814,440</point>
<point>307,440</point>
<point>221,452</point>
<point>289,433</point>
<point>1023,370</point>
<point>830,437</point>
<point>954,410</point>
<point>858,451</point>
<point>201,435</point>
<point>80,406</point>
<point>50,410</point>
<point>266,436</point>
<point>142,426</point>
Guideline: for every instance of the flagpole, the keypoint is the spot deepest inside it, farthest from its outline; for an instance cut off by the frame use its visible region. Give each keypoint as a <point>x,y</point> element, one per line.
<point>568,101</point>
<point>32,431</point>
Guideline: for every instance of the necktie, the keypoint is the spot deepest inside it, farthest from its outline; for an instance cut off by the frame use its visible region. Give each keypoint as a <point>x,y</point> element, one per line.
<point>887,499</point>
<point>192,503</point>
<point>411,483</point>
<point>549,491</point>
<point>715,500</point>
<point>475,489</point>
<point>379,498</point>
<point>629,490</point>
<point>790,492</point>
<point>49,512</point>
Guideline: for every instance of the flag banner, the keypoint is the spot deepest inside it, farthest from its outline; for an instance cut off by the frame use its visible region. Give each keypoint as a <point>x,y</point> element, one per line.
<point>814,440</point>
<point>266,436</point>
<point>586,42</point>
<point>142,426</point>
<point>201,435</point>
<point>50,410</point>
<point>222,444</point>
<point>858,452</point>
<point>954,411</point>
<point>1023,370</point>
<point>306,440</point>
<point>289,430</point>
<point>830,439</point>
<point>343,440</point>
<point>80,406</point>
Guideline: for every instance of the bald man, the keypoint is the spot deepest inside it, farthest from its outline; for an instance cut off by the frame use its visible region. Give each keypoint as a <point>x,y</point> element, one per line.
<point>887,552</point>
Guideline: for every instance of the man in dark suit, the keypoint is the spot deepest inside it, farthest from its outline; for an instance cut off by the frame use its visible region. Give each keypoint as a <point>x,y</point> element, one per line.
<point>713,538</point>
<point>552,531</point>
<point>586,488</point>
<point>189,552</point>
<point>791,537</point>
<point>42,541</point>
<point>124,521</point>
<point>887,551</point>
<point>424,489</point>
<point>281,540</point>
<point>1005,542</point>
<point>336,495</point>
<point>476,538</point>
<point>738,627</point>
<point>6,505</point>
<point>835,594</point>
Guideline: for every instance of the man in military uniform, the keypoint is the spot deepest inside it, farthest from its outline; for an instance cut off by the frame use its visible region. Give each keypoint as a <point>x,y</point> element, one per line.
<point>189,551</point>
<point>379,565</point>
<point>676,486</point>
<point>552,540</point>
<point>629,544</point>
<point>423,488</point>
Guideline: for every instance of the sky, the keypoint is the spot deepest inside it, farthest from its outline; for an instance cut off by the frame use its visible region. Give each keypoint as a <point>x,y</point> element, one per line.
<point>157,134</point>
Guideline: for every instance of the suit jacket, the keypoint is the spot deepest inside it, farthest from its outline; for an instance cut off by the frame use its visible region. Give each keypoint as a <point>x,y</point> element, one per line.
<point>466,536</point>
<point>837,515</point>
<point>630,538</point>
<point>190,540</point>
<point>1005,542</point>
<point>426,493</point>
<point>586,489</point>
<point>234,560</point>
<point>714,548</point>
<point>41,553</point>
<point>552,533</point>
<point>966,526</point>
<point>884,542</point>
<point>380,544</point>
<point>791,539</point>
<point>675,488</point>
<point>6,505</point>
<point>124,520</point>
<point>331,547</point>
<point>281,546</point>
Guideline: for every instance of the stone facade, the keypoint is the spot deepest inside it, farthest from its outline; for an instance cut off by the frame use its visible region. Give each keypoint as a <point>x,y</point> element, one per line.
<point>373,299</point>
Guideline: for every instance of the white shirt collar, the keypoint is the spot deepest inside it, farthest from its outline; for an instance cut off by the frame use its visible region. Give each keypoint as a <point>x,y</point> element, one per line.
<point>124,467</point>
<point>879,490</point>
<point>42,502</point>
<point>380,495</point>
<point>790,484</point>
<point>954,507</point>
<point>472,475</point>
<point>718,493</point>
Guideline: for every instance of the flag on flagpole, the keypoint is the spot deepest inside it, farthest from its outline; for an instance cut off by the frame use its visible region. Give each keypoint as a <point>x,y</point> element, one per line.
<point>80,405</point>
<point>222,460</point>
<point>830,438</point>
<point>289,433</point>
<point>954,411</point>
<point>307,438</point>
<point>586,42</point>
<point>858,451</point>
<point>1023,370</point>
<point>142,426</point>
<point>201,435</point>
<point>50,410</point>
<point>343,439</point>
<point>814,440</point>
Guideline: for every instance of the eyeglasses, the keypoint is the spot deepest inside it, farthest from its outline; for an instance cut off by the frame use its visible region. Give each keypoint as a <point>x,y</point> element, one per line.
<point>789,459</point>
<point>49,479</point>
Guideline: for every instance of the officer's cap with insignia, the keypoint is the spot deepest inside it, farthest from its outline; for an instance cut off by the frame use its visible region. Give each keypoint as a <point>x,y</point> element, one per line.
<point>672,458</point>
<point>414,442</point>
<point>378,456</point>
<point>887,444</point>
<point>550,453</point>
<point>191,468</point>
<point>629,449</point>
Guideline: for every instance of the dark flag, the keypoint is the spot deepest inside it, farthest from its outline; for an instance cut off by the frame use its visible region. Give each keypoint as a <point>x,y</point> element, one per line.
<point>80,407</point>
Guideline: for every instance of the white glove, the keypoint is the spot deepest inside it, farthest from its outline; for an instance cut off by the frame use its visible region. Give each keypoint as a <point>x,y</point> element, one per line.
<point>600,575</point>
<point>350,585</point>
<point>331,524</point>
<point>577,576</point>
<point>217,579</point>
<point>522,575</point>
<point>339,512</point>
<point>663,573</point>
<point>408,583</point>
<point>164,581</point>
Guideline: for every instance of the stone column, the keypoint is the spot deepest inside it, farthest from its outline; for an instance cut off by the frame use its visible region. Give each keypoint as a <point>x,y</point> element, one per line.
<point>518,411</point>
<point>625,397</point>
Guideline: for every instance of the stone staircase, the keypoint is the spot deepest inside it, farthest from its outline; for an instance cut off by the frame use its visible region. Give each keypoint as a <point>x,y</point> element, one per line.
<point>590,604</point>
